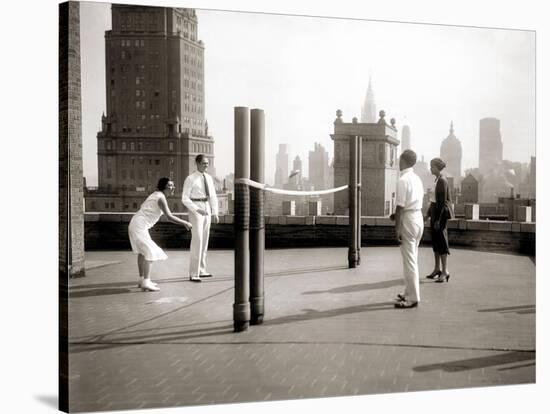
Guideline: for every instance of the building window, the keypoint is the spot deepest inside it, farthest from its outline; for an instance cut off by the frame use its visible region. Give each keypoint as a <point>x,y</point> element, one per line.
<point>109,173</point>
<point>109,145</point>
<point>135,206</point>
<point>132,148</point>
<point>123,146</point>
<point>107,206</point>
<point>157,162</point>
<point>112,205</point>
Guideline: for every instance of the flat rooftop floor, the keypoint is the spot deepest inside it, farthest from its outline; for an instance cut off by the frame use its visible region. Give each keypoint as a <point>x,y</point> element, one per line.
<point>328,330</point>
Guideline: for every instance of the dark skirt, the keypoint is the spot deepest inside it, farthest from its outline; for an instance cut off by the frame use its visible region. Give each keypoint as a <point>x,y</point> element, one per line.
<point>440,238</point>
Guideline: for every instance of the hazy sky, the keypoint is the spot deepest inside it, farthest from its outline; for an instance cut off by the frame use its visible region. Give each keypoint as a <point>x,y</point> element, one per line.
<point>300,70</point>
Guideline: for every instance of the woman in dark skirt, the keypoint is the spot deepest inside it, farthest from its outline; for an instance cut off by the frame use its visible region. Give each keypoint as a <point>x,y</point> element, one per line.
<point>439,212</point>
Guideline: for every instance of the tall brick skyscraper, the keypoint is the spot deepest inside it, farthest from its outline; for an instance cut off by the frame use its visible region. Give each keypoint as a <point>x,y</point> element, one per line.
<point>155,123</point>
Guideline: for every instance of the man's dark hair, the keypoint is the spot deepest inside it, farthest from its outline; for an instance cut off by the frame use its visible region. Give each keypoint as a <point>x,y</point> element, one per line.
<point>200,158</point>
<point>163,182</point>
<point>409,156</point>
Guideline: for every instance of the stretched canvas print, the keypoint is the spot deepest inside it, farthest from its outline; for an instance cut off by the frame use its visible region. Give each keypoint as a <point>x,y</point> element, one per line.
<point>260,207</point>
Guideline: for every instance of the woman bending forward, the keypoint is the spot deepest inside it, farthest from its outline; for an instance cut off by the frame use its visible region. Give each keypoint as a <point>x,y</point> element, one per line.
<point>149,213</point>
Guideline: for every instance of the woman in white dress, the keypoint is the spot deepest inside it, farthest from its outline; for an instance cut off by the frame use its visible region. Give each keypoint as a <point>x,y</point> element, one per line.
<point>149,213</point>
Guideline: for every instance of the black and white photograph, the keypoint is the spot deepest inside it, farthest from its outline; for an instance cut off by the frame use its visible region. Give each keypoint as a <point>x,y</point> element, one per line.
<point>263,208</point>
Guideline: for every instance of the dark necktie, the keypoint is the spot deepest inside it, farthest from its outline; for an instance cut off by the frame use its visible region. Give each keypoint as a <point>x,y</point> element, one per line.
<point>205,186</point>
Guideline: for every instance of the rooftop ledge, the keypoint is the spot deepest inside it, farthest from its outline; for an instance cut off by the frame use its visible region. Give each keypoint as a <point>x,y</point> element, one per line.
<point>456,224</point>
<point>109,231</point>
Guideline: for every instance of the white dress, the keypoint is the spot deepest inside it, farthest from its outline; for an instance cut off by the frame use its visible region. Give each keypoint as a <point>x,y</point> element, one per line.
<point>138,230</point>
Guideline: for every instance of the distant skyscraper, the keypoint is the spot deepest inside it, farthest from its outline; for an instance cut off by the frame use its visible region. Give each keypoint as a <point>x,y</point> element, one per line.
<point>318,175</point>
<point>368,110</point>
<point>281,166</point>
<point>490,145</point>
<point>451,153</point>
<point>405,138</point>
<point>296,175</point>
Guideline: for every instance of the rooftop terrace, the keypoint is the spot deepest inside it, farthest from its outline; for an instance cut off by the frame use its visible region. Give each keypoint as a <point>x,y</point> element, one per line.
<point>328,330</point>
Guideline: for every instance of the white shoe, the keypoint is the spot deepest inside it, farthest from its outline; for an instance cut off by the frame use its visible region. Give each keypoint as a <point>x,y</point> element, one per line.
<point>148,286</point>
<point>141,278</point>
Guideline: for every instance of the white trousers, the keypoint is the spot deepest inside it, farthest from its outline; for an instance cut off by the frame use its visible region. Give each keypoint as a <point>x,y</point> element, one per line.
<point>199,240</point>
<point>411,233</point>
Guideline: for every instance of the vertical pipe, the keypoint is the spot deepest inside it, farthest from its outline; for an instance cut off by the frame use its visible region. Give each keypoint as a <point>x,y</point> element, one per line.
<point>257,224</point>
<point>359,191</point>
<point>241,307</point>
<point>352,251</point>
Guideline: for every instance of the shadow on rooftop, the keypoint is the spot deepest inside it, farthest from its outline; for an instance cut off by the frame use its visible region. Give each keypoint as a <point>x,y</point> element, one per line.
<point>359,287</point>
<point>110,341</point>
<point>217,278</point>
<point>312,314</point>
<point>477,363</point>
<point>100,292</point>
<point>520,310</point>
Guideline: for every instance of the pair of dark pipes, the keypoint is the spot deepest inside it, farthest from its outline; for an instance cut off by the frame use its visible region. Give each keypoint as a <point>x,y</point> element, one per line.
<point>249,222</point>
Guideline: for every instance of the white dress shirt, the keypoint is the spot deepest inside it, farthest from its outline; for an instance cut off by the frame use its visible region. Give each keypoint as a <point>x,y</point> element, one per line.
<point>193,188</point>
<point>410,191</point>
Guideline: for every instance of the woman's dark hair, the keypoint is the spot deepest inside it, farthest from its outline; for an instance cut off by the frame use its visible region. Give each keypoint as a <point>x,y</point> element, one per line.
<point>163,182</point>
<point>438,163</point>
<point>199,158</point>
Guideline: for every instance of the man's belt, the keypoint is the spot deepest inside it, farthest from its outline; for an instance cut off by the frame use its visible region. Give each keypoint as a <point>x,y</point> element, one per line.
<point>200,199</point>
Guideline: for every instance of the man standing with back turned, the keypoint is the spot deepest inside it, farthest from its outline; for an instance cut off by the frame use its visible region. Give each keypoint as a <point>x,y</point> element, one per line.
<point>409,226</point>
<point>199,196</point>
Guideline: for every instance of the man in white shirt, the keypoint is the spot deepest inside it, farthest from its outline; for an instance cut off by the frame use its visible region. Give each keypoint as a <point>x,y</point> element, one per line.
<point>409,226</point>
<point>199,196</point>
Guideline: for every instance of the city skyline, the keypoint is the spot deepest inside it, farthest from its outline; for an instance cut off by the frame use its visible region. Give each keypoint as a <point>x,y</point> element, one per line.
<point>464,74</point>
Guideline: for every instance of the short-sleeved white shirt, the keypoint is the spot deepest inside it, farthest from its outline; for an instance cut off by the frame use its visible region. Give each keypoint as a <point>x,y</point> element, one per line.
<point>410,190</point>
